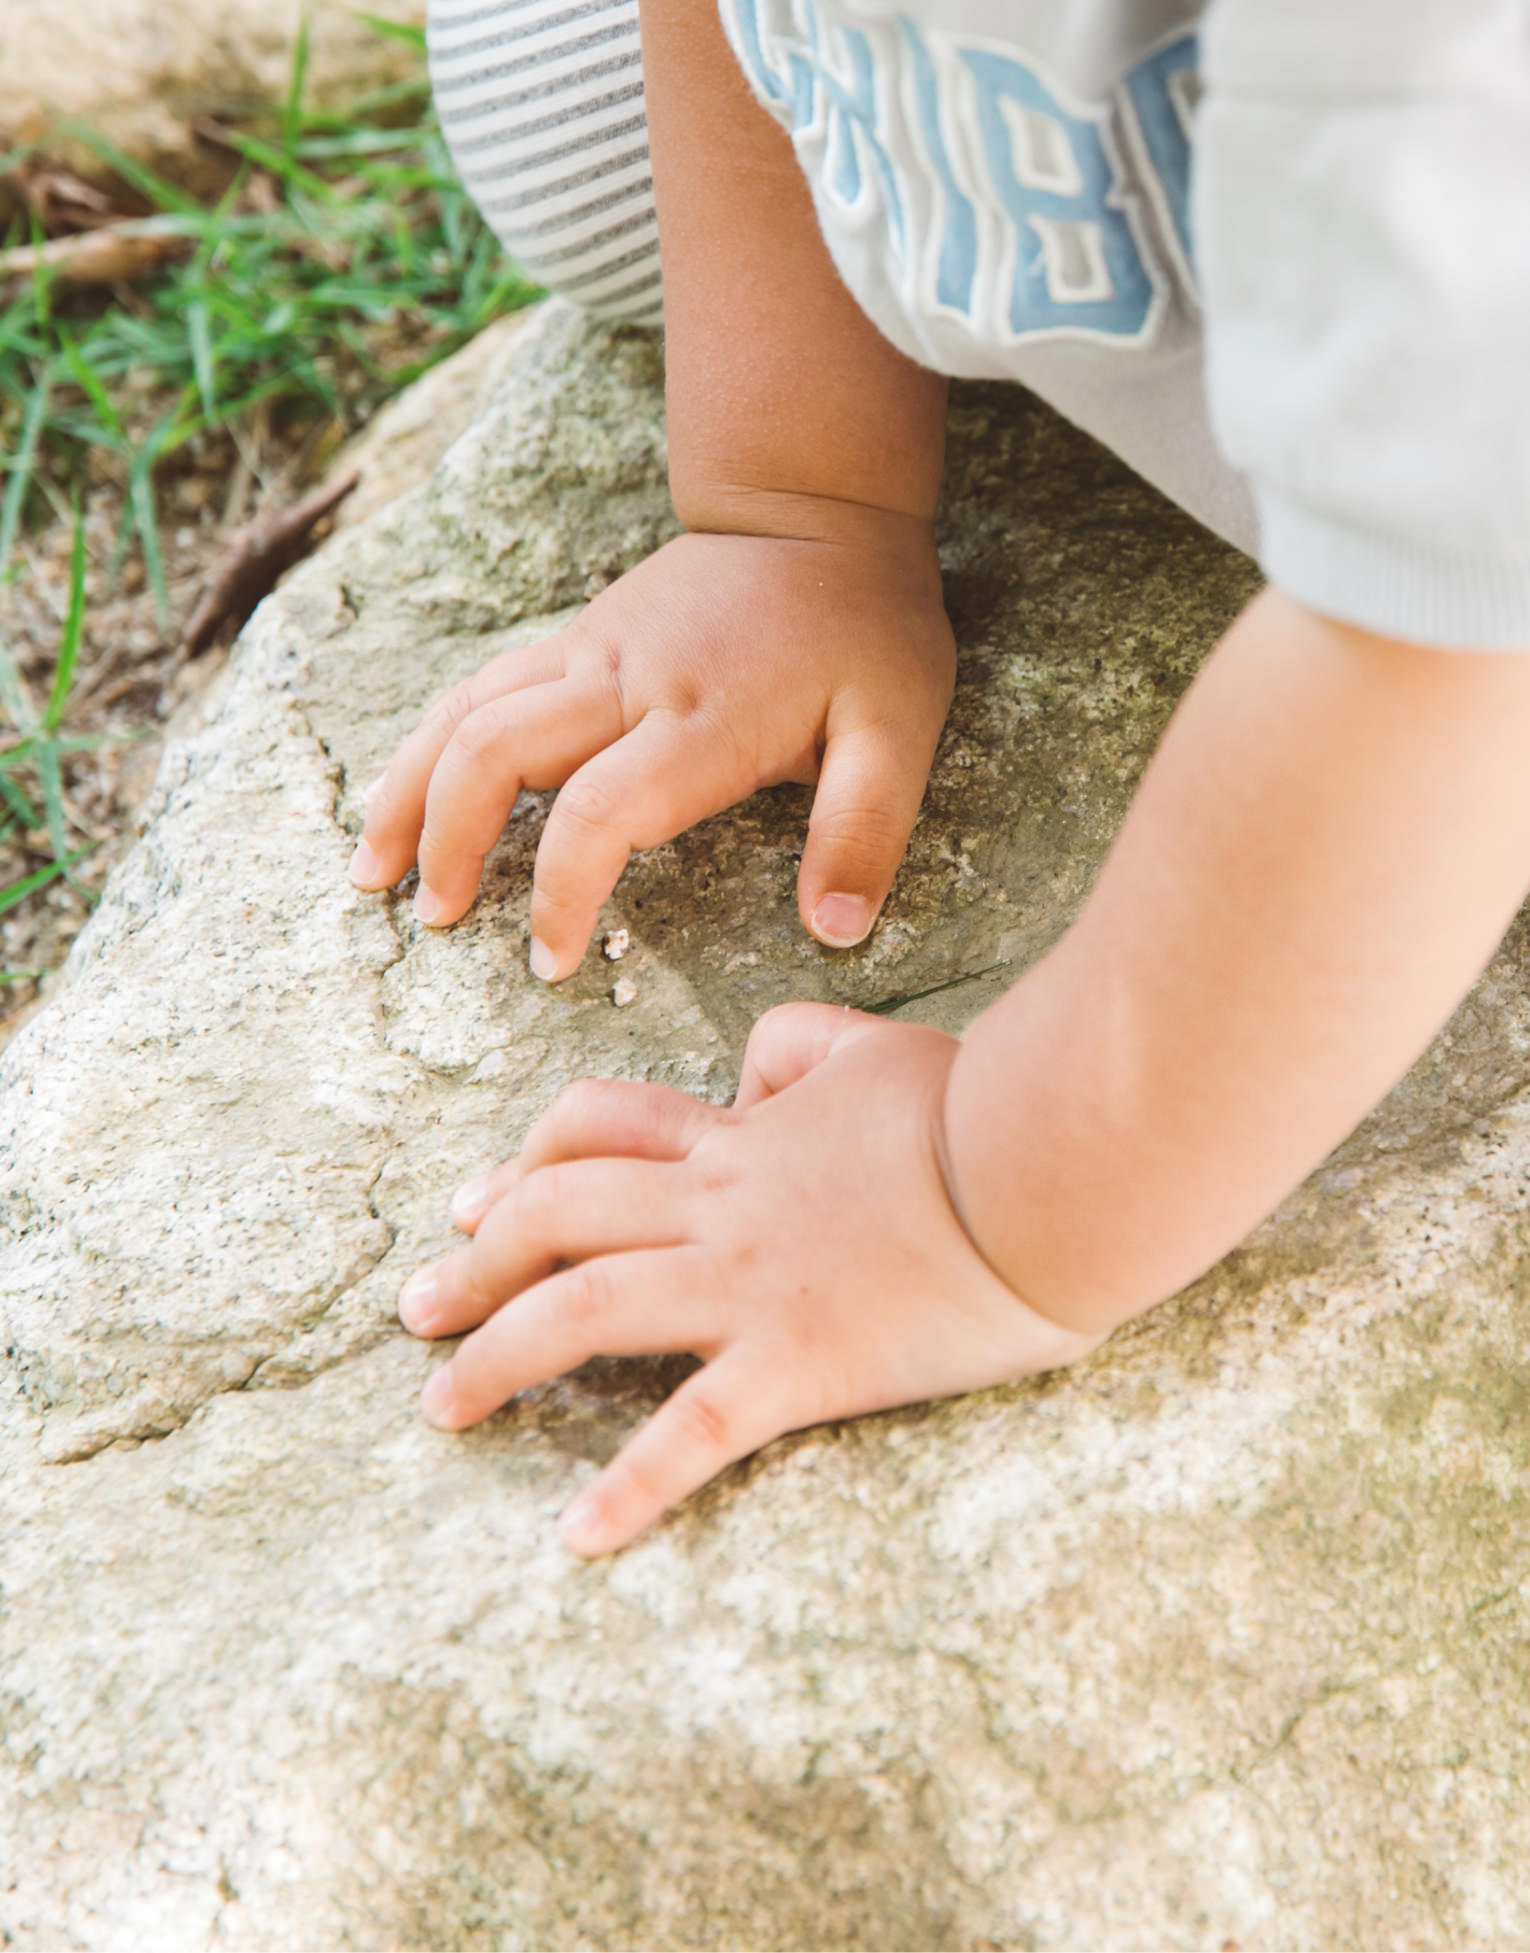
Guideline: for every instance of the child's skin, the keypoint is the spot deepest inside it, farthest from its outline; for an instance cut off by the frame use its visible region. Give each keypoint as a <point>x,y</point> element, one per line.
<point>1327,846</point>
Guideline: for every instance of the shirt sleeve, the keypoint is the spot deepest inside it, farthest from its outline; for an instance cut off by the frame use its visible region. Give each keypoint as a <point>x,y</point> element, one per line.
<point>1362,223</point>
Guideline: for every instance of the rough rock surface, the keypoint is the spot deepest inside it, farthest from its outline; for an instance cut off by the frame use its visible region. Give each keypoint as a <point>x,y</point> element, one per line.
<point>397,449</point>
<point>138,71</point>
<point>1217,1640</point>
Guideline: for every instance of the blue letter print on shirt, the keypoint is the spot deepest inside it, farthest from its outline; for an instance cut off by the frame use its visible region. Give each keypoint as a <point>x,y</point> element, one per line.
<point>1050,177</point>
<point>1077,263</point>
<point>850,105</point>
<point>852,108</point>
<point>1162,92</point>
<point>956,267</point>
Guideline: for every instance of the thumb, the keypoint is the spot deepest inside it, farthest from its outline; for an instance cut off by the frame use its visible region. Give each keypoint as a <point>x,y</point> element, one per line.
<point>869,789</point>
<point>792,1040</point>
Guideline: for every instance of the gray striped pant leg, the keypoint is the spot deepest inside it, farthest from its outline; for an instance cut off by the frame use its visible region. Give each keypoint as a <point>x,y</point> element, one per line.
<point>541,105</point>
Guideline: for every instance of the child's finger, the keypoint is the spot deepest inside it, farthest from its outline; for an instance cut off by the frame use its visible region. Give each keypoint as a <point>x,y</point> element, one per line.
<point>395,807</point>
<point>790,1041</point>
<point>665,775</point>
<point>536,737</point>
<point>716,1417</point>
<point>611,1117</point>
<point>869,789</point>
<point>650,1302</point>
<point>617,1117</point>
<point>562,1213</point>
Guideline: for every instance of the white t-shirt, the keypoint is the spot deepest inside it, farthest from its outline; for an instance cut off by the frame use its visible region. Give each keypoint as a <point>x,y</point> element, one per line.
<point>1274,253</point>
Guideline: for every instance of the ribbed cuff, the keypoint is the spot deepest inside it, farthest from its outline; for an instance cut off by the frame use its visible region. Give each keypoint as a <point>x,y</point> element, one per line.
<point>1459,602</point>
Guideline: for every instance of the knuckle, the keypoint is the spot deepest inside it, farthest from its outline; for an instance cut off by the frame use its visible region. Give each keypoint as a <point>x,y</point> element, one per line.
<point>586,1297</point>
<point>380,807</point>
<point>735,738</point>
<point>442,854</point>
<point>483,1291</point>
<point>773,1029</point>
<point>586,1102</point>
<point>478,735</point>
<point>867,832</point>
<point>701,1421</point>
<point>601,669</point>
<point>713,1171</point>
<point>636,1482</point>
<point>585,804</point>
<point>448,712</point>
<point>538,1198</point>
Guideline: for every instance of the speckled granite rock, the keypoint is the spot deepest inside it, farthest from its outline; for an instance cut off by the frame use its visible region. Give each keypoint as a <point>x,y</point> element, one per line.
<point>1218,1639</point>
<point>405,438</point>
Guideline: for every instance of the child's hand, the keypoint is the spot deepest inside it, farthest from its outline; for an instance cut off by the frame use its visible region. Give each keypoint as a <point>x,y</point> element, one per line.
<point>722,664</point>
<point>803,1244</point>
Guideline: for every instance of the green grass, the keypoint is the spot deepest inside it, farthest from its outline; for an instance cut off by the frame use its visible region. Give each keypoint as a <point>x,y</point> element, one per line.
<point>371,266</point>
<point>36,759</point>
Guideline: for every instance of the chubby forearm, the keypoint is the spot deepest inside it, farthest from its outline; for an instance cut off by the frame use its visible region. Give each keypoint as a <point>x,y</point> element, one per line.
<point>783,397</point>
<point>1329,843</point>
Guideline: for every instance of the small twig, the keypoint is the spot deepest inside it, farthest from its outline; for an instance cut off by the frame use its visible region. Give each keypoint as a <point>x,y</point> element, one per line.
<point>105,256</point>
<point>256,557</point>
<point>137,681</point>
<point>206,129</point>
<point>61,198</point>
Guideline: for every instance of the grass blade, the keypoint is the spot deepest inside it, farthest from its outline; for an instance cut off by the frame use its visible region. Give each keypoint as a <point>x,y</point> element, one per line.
<point>19,891</point>
<point>397,30</point>
<point>13,693</point>
<point>144,181</point>
<point>50,779</point>
<point>199,334</point>
<point>270,156</point>
<point>146,521</point>
<point>42,278</point>
<point>17,801</point>
<point>141,502</point>
<point>292,114</point>
<point>22,465</point>
<point>89,383</point>
<point>69,643</point>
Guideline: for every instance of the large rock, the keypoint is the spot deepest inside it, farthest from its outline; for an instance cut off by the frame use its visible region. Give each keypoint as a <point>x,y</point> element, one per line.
<point>1219,1639</point>
<point>139,71</point>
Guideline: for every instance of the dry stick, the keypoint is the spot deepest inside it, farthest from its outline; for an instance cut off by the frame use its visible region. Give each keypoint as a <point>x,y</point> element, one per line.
<point>256,557</point>
<point>58,197</point>
<point>100,257</point>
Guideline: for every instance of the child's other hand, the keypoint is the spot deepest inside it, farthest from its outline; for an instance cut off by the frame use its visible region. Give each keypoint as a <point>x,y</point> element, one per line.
<point>722,664</point>
<point>803,1244</point>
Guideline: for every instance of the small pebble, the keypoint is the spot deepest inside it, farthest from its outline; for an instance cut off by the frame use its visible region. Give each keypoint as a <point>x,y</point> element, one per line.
<point>623,991</point>
<point>615,944</point>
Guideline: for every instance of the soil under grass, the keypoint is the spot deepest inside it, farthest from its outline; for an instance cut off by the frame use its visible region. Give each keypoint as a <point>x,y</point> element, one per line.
<point>157,416</point>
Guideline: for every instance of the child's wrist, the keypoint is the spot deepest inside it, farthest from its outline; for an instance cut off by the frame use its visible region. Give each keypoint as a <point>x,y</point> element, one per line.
<point>983,1160</point>
<point>718,507</point>
<point>959,1191</point>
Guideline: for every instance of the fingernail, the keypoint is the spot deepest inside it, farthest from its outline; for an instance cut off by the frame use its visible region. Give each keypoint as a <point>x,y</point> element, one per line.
<point>364,866</point>
<point>436,1398</point>
<point>414,1300</point>
<point>368,791</point>
<point>579,1528</point>
<point>543,963</point>
<point>427,904</point>
<point>842,920</point>
<point>471,1202</point>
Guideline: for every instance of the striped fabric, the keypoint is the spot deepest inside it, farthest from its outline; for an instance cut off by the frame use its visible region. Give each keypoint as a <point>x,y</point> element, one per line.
<point>541,105</point>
